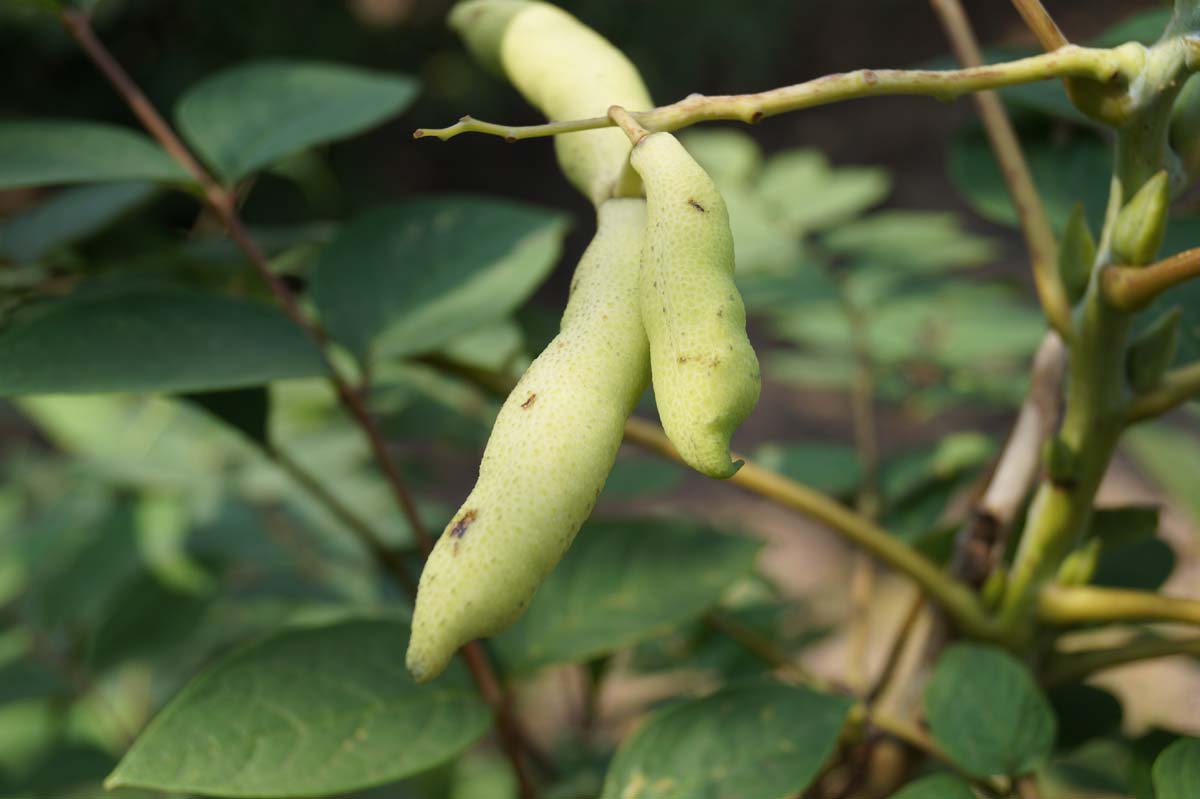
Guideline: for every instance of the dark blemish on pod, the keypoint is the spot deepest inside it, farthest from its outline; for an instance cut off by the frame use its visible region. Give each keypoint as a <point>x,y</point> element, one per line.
<point>527,404</point>
<point>682,359</point>
<point>720,313</point>
<point>696,205</point>
<point>869,77</point>
<point>756,117</point>
<point>465,521</point>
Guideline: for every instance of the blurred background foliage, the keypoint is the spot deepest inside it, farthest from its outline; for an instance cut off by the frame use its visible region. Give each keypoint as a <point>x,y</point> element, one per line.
<point>154,510</point>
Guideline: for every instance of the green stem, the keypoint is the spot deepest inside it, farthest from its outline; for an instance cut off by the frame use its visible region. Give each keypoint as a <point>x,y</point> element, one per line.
<point>1071,61</point>
<point>1068,667</point>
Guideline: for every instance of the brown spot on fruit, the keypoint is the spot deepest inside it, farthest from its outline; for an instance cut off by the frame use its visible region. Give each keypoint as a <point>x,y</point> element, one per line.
<point>528,403</point>
<point>462,524</point>
<point>696,205</point>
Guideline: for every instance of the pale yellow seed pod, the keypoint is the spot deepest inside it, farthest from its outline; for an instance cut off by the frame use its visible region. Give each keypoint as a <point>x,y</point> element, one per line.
<point>549,454</point>
<point>568,71</point>
<point>706,375</point>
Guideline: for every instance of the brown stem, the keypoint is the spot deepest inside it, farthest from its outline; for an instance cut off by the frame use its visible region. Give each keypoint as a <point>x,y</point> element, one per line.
<point>1132,288</point>
<point>1027,787</point>
<point>1041,23</point>
<point>1039,237</point>
<point>223,203</point>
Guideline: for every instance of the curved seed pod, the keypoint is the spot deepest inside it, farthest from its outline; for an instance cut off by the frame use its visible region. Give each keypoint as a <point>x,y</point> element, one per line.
<point>569,72</point>
<point>549,454</point>
<point>706,377</point>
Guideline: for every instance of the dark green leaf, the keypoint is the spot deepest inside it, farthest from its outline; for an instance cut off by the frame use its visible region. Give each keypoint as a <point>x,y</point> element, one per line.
<point>621,583</point>
<point>47,152</point>
<point>986,712</point>
<point>244,409</point>
<point>1177,771</point>
<point>1066,169</point>
<point>937,786</point>
<point>1144,27</point>
<point>1124,525</point>
<point>1183,233</point>
<point>245,117</point>
<point>832,468</point>
<point>1145,564</point>
<point>1100,765</point>
<point>642,476</point>
<point>1146,750</point>
<point>409,278</point>
<point>151,340</point>
<point>68,216</point>
<point>1084,712</point>
<point>764,741</point>
<point>144,617</point>
<point>306,712</point>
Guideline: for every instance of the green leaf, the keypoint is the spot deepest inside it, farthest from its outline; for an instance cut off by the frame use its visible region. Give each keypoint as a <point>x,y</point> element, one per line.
<point>243,118</point>
<point>1144,752</point>
<point>45,152</point>
<point>1076,254</point>
<point>145,617</point>
<point>765,741</point>
<point>151,340</point>
<point>1144,27</point>
<point>622,583</point>
<point>918,241</point>
<point>68,216</point>
<point>1084,712</point>
<point>937,786</point>
<point>832,468</point>
<point>806,194</point>
<point>1145,564</point>
<point>986,712</point>
<point>639,476</point>
<point>728,155</point>
<point>409,278</point>
<point>1177,770</point>
<point>244,409</point>
<point>1169,456</point>
<point>306,712</point>
<point>1066,169</point>
<point>1183,233</point>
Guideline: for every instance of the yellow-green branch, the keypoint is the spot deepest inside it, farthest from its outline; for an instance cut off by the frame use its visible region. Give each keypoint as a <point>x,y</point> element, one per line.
<point>1067,667</point>
<point>958,601</point>
<point>1132,288</point>
<point>1102,65</point>
<point>1082,604</point>
<point>1177,387</point>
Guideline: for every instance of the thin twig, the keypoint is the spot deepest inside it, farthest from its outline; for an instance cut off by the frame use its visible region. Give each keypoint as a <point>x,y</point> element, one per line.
<point>917,738</point>
<point>1027,787</point>
<point>1041,23</point>
<point>223,202</point>
<point>1132,288</point>
<point>373,542</point>
<point>959,602</point>
<point>625,121</point>
<point>1083,604</point>
<point>982,541</point>
<point>1071,61</point>
<point>1177,387</point>
<point>765,649</point>
<point>1039,236</point>
<point>1069,667</point>
<point>869,499</point>
<point>896,651</point>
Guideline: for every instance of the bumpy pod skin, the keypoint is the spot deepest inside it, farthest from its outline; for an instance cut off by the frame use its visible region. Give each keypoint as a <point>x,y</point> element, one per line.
<point>706,375</point>
<point>568,71</point>
<point>549,454</point>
